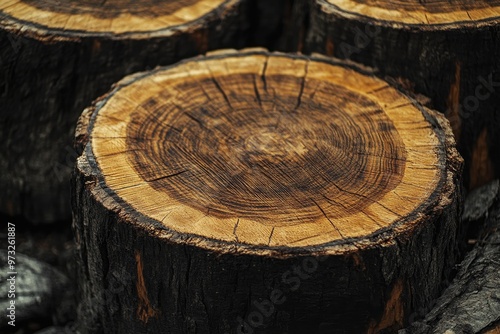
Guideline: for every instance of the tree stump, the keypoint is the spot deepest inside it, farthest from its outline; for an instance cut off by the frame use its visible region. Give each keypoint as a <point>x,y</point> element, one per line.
<point>446,50</point>
<point>257,192</point>
<point>56,57</point>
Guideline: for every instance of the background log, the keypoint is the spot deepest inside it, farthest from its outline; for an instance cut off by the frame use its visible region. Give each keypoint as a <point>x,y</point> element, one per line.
<point>448,51</point>
<point>253,192</point>
<point>55,58</point>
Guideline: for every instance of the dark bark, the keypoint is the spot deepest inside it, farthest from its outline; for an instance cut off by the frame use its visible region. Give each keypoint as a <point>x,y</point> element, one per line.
<point>55,330</point>
<point>278,24</point>
<point>479,201</point>
<point>294,27</point>
<point>189,290</point>
<point>48,78</point>
<point>471,304</point>
<point>456,65</point>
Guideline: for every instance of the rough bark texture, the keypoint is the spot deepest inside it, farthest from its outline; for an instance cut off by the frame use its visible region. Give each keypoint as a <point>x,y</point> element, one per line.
<point>479,201</point>
<point>49,75</point>
<point>471,304</point>
<point>134,282</point>
<point>456,64</point>
<point>137,275</point>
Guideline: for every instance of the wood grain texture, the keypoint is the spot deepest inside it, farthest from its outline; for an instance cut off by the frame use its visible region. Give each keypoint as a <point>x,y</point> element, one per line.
<point>448,51</point>
<point>220,173</point>
<point>54,60</point>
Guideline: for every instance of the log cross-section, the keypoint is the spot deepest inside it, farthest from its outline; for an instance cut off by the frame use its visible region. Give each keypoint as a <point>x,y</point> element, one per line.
<point>223,173</point>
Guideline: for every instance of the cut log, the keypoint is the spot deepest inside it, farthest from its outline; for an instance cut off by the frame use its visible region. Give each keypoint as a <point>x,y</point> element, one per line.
<point>446,50</point>
<point>56,57</point>
<point>252,192</point>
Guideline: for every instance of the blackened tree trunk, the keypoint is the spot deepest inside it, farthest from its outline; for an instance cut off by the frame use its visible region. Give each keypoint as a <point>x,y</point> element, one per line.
<point>446,50</point>
<point>257,192</point>
<point>56,58</point>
